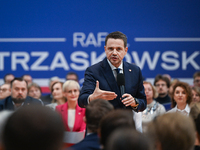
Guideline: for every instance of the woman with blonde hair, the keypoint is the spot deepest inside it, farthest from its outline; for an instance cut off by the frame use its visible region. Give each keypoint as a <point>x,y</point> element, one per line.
<point>195,95</point>
<point>153,108</point>
<point>71,113</point>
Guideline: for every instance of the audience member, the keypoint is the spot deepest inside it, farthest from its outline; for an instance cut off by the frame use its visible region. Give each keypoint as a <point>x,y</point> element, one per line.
<point>115,119</point>
<point>194,113</point>
<point>95,110</point>
<point>196,78</point>
<point>18,98</point>
<point>34,90</point>
<point>47,99</point>
<point>33,128</point>
<point>153,108</point>
<point>172,131</point>
<point>127,139</point>
<point>70,111</point>
<point>181,98</point>
<point>162,86</point>
<point>8,78</point>
<point>58,95</point>
<point>72,76</point>
<point>27,78</point>
<point>195,95</point>
<point>5,91</point>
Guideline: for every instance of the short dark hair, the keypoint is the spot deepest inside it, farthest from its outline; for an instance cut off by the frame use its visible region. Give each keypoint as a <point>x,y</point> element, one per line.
<point>33,127</point>
<point>72,73</point>
<point>18,79</point>
<point>187,89</point>
<point>113,120</point>
<point>117,35</point>
<point>25,75</point>
<point>174,131</point>
<point>95,111</point>
<point>128,139</point>
<point>34,85</point>
<point>196,74</point>
<point>4,78</point>
<point>161,77</point>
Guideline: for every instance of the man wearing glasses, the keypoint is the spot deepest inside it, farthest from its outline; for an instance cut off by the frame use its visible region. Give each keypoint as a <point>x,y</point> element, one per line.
<point>5,91</point>
<point>162,85</point>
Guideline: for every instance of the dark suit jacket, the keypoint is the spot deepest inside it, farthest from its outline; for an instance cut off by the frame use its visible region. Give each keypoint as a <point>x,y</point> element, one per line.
<point>6,104</point>
<point>90,142</point>
<point>103,73</point>
<point>47,99</point>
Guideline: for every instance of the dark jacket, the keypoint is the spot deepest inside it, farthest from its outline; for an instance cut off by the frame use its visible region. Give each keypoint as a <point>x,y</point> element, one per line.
<point>7,104</point>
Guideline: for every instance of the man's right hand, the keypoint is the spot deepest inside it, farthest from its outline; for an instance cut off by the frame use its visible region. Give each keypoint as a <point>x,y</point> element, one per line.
<point>101,94</point>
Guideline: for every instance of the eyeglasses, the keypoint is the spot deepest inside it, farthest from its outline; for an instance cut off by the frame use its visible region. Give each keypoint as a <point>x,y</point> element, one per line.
<point>3,90</point>
<point>158,85</point>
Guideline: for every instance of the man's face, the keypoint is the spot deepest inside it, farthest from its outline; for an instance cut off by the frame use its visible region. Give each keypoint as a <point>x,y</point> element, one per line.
<point>5,91</point>
<point>19,91</point>
<point>197,81</point>
<point>72,77</point>
<point>28,79</point>
<point>9,78</point>
<point>161,88</point>
<point>115,51</point>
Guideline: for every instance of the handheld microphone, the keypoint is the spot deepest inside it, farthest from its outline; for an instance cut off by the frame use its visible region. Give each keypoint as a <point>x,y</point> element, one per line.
<point>121,84</point>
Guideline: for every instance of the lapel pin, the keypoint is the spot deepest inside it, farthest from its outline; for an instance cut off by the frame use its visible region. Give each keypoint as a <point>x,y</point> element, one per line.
<point>129,70</point>
<point>79,113</point>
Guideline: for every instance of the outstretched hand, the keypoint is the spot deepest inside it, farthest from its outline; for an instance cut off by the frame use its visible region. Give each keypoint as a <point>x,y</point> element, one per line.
<point>101,94</point>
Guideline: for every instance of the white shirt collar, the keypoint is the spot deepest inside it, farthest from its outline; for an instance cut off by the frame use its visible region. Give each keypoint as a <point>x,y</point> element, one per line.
<point>113,67</point>
<point>186,109</point>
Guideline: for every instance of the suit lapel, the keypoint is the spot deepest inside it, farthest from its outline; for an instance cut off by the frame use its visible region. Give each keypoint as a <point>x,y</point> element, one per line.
<point>108,75</point>
<point>9,104</point>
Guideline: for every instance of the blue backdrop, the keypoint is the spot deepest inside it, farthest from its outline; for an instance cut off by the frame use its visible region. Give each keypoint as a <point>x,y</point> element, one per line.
<point>50,38</point>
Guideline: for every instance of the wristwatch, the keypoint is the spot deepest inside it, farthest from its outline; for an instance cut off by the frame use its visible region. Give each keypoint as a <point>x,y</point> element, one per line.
<point>136,101</point>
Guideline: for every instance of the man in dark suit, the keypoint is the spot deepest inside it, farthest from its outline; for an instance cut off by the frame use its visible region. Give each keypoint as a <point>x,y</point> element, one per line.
<point>95,111</point>
<point>18,98</point>
<point>100,79</point>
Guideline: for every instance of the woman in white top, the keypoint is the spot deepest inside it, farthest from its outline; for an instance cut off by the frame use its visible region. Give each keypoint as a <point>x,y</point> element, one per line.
<point>153,108</point>
<point>58,96</point>
<point>181,98</point>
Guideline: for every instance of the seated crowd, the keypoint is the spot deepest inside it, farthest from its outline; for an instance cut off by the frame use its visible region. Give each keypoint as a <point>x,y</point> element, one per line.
<point>31,120</point>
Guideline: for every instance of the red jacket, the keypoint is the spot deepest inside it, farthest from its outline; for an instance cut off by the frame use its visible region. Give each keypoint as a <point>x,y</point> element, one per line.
<point>79,124</point>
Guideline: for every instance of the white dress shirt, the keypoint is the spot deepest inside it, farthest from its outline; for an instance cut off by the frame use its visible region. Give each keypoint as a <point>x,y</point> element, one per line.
<point>185,111</point>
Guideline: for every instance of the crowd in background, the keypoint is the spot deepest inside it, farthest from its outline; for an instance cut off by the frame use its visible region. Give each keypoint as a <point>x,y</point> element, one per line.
<point>171,119</point>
